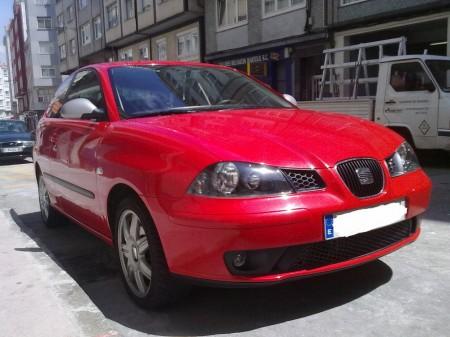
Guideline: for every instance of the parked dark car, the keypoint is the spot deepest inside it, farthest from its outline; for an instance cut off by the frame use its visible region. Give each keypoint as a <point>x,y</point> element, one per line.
<point>15,140</point>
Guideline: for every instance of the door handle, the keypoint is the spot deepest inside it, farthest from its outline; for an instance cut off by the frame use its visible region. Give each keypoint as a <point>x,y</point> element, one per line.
<point>390,102</point>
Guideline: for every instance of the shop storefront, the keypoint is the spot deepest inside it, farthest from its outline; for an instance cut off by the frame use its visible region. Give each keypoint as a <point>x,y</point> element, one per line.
<point>272,67</point>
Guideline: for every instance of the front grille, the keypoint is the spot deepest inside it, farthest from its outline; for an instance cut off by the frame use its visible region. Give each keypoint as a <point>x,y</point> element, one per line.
<point>369,183</point>
<point>304,180</point>
<point>10,144</point>
<point>324,253</point>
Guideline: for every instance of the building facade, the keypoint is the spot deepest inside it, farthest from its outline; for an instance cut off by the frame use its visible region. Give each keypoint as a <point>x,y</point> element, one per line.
<point>5,93</point>
<point>155,29</point>
<point>41,54</point>
<point>92,31</point>
<point>12,99</point>
<point>280,42</point>
<point>270,40</point>
<point>34,57</point>
<point>16,33</point>
<point>425,23</point>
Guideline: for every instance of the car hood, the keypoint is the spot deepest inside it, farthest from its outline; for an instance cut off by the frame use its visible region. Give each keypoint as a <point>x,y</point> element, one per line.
<point>282,137</point>
<point>14,136</point>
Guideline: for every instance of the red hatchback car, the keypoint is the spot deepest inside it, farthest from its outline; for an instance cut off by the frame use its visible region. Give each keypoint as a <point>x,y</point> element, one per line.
<point>197,172</point>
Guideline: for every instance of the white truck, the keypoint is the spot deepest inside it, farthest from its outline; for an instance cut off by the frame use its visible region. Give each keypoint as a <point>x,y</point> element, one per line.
<point>410,93</point>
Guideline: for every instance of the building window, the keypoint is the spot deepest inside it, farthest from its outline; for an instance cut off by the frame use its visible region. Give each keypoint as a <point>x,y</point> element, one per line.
<point>143,53</point>
<point>231,12</point>
<point>276,6</point>
<point>161,49</point>
<point>46,47</point>
<point>85,34</point>
<point>350,2</point>
<point>44,95</point>
<point>70,13</point>
<point>129,9</point>
<point>60,20</point>
<point>48,72</point>
<point>73,46</point>
<point>62,52</point>
<point>146,5</point>
<point>188,44</point>
<point>97,28</point>
<point>126,55</point>
<point>42,2</point>
<point>44,22</point>
<point>112,16</point>
<point>82,4</point>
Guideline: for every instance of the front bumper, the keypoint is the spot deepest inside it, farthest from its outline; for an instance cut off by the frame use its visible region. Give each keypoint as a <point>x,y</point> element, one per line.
<point>198,234</point>
<point>21,152</point>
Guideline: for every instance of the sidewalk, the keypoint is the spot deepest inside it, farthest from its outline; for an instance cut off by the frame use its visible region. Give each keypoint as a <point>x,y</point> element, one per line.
<point>38,297</point>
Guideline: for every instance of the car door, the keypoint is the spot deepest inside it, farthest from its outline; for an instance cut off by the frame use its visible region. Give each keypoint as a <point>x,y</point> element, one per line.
<point>74,168</point>
<point>412,100</point>
<point>45,136</point>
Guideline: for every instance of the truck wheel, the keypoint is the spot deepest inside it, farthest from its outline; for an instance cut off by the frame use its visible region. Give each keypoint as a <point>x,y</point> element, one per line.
<point>50,216</point>
<point>141,257</point>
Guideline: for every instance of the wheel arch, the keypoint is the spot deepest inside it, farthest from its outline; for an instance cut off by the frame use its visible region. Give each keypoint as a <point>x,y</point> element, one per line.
<point>118,192</point>
<point>37,170</point>
<point>405,132</point>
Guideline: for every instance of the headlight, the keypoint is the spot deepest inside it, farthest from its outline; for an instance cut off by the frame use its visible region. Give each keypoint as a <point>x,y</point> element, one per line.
<point>229,179</point>
<point>403,160</point>
<point>28,143</point>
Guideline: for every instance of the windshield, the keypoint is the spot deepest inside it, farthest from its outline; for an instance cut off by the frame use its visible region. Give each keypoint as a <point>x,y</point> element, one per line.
<point>12,127</point>
<point>145,90</point>
<point>441,72</point>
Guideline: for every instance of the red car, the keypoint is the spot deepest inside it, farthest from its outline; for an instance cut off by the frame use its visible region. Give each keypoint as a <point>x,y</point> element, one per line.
<point>197,172</point>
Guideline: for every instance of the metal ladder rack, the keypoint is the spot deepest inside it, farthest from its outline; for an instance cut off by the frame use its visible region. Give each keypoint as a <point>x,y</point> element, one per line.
<point>362,62</point>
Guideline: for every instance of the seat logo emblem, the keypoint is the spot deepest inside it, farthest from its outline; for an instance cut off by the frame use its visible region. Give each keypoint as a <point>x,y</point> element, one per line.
<point>365,175</point>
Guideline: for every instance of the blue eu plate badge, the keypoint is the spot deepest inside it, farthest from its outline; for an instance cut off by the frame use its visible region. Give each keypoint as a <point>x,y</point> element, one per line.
<point>328,226</point>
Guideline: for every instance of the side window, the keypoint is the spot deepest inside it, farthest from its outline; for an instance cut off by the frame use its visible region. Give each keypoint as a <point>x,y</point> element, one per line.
<point>86,85</point>
<point>58,100</point>
<point>410,76</point>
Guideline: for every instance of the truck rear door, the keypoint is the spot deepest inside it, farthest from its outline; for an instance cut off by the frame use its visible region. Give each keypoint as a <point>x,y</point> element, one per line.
<point>412,100</point>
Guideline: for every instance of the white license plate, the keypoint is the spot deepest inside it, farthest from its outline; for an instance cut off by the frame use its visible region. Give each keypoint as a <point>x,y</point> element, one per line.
<point>12,149</point>
<point>363,220</point>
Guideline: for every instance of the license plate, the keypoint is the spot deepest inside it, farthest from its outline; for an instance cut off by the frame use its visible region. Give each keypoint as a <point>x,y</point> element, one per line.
<point>363,220</point>
<point>12,149</point>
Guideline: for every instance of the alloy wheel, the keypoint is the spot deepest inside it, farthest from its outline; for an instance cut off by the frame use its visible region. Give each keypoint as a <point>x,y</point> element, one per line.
<point>134,253</point>
<point>44,199</point>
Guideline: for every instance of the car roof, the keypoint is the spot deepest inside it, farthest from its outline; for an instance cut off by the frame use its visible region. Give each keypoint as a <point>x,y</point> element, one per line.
<point>109,65</point>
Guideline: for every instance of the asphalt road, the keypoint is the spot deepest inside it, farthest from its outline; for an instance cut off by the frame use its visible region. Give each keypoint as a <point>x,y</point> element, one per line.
<point>63,282</point>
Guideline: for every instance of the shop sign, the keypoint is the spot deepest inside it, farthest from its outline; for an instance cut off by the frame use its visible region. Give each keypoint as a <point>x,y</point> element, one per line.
<point>273,56</point>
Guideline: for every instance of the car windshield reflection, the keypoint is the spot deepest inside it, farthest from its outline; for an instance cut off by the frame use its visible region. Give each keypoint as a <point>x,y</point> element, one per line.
<point>146,90</point>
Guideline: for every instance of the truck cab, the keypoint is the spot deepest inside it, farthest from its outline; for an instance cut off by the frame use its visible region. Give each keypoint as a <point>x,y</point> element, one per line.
<point>413,97</point>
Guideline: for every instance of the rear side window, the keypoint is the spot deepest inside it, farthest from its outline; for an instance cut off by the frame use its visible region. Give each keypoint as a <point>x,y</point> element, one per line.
<point>410,76</point>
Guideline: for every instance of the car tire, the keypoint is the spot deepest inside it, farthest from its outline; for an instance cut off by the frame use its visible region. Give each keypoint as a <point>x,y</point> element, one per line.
<point>50,216</point>
<point>141,257</point>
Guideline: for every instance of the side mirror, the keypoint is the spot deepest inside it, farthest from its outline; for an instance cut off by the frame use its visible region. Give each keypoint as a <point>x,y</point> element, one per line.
<point>290,99</point>
<point>81,108</point>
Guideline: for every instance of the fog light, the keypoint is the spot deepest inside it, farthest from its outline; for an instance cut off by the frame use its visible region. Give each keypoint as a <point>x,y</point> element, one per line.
<point>239,259</point>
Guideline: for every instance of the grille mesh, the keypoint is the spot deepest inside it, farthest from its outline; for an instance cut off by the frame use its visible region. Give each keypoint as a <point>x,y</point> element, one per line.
<point>323,253</point>
<point>348,173</point>
<point>304,180</point>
